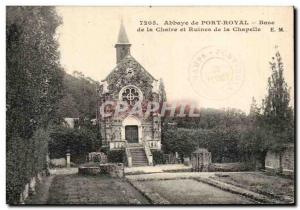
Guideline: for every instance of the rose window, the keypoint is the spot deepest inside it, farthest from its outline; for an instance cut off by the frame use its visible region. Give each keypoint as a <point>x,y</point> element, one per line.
<point>131,95</point>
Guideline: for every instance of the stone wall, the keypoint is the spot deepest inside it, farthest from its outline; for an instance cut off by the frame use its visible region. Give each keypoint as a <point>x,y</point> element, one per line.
<point>272,160</point>
<point>288,159</point>
<point>58,162</point>
<point>111,169</point>
<point>201,159</point>
<point>281,161</point>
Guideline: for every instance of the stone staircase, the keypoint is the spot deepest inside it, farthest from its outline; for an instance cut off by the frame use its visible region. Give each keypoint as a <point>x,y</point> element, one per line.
<point>139,157</point>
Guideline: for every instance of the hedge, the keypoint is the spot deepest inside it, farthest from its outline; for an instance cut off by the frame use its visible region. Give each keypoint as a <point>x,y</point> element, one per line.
<point>79,141</point>
<point>158,157</point>
<point>25,158</point>
<point>116,156</point>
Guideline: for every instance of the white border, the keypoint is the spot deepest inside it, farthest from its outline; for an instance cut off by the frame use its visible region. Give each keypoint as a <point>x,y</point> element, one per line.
<point>4,3</point>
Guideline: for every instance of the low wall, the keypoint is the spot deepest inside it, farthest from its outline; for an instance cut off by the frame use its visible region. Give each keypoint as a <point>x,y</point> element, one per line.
<point>111,169</point>
<point>58,162</point>
<point>30,187</point>
<point>281,161</point>
<point>230,167</point>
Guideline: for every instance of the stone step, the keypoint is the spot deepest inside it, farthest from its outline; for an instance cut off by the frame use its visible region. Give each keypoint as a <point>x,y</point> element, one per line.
<point>139,157</point>
<point>137,150</point>
<point>135,161</point>
<point>138,154</point>
<point>139,164</point>
<point>140,160</point>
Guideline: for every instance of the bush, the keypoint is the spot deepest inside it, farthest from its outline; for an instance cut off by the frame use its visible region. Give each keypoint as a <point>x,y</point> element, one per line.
<point>221,142</point>
<point>116,156</point>
<point>78,141</point>
<point>105,150</point>
<point>158,157</point>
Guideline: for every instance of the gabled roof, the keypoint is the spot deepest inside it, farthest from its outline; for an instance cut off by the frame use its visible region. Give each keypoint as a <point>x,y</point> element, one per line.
<point>129,57</point>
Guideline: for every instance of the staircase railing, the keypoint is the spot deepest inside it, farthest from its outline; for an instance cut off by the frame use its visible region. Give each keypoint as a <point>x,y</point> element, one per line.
<point>149,155</point>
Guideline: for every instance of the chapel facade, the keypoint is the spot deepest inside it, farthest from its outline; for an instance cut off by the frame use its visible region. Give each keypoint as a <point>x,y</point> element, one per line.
<point>130,83</point>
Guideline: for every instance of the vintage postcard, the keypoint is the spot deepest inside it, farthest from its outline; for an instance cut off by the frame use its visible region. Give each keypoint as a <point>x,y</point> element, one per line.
<point>150,105</point>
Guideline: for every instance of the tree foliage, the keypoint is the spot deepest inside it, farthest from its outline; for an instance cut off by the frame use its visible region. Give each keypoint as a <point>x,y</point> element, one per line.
<point>230,134</point>
<point>217,130</point>
<point>277,114</point>
<point>271,125</point>
<point>78,141</point>
<point>80,96</point>
<point>33,84</point>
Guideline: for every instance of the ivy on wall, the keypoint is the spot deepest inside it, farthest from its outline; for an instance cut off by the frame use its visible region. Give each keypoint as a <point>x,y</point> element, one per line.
<point>119,78</point>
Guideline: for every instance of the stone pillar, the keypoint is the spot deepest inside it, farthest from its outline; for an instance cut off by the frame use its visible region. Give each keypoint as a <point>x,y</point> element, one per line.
<point>201,159</point>
<point>68,157</point>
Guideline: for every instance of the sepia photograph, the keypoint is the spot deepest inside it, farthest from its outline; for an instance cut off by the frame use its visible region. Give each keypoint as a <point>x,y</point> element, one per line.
<point>150,105</point>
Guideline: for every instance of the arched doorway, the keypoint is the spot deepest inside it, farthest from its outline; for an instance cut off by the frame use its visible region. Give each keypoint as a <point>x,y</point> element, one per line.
<point>131,129</point>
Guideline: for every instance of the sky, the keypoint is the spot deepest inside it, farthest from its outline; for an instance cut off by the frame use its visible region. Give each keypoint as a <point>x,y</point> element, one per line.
<point>236,66</point>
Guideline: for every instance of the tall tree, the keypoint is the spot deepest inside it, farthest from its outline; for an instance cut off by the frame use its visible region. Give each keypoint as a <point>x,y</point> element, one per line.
<point>277,114</point>
<point>271,126</point>
<point>254,109</point>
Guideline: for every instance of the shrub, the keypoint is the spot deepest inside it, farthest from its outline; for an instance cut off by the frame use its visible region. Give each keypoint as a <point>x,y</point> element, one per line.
<point>79,141</point>
<point>116,156</point>
<point>105,150</point>
<point>158,157</point>
<point>221,142</point>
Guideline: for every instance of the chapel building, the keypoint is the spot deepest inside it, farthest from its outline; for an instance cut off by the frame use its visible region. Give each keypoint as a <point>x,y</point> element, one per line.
<point>129,82</point>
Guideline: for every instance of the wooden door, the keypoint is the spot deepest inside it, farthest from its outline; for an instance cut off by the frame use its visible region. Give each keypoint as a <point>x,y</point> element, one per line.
<point>131,134</point>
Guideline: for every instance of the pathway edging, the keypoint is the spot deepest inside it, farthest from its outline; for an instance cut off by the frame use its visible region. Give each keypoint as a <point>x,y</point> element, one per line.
<point>153,197</point>
<point>237,190</point>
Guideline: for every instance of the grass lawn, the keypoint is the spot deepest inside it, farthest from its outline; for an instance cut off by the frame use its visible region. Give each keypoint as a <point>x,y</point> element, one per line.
<point>189,191</point>
<point>275,186</point>
<point>76,189</point>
